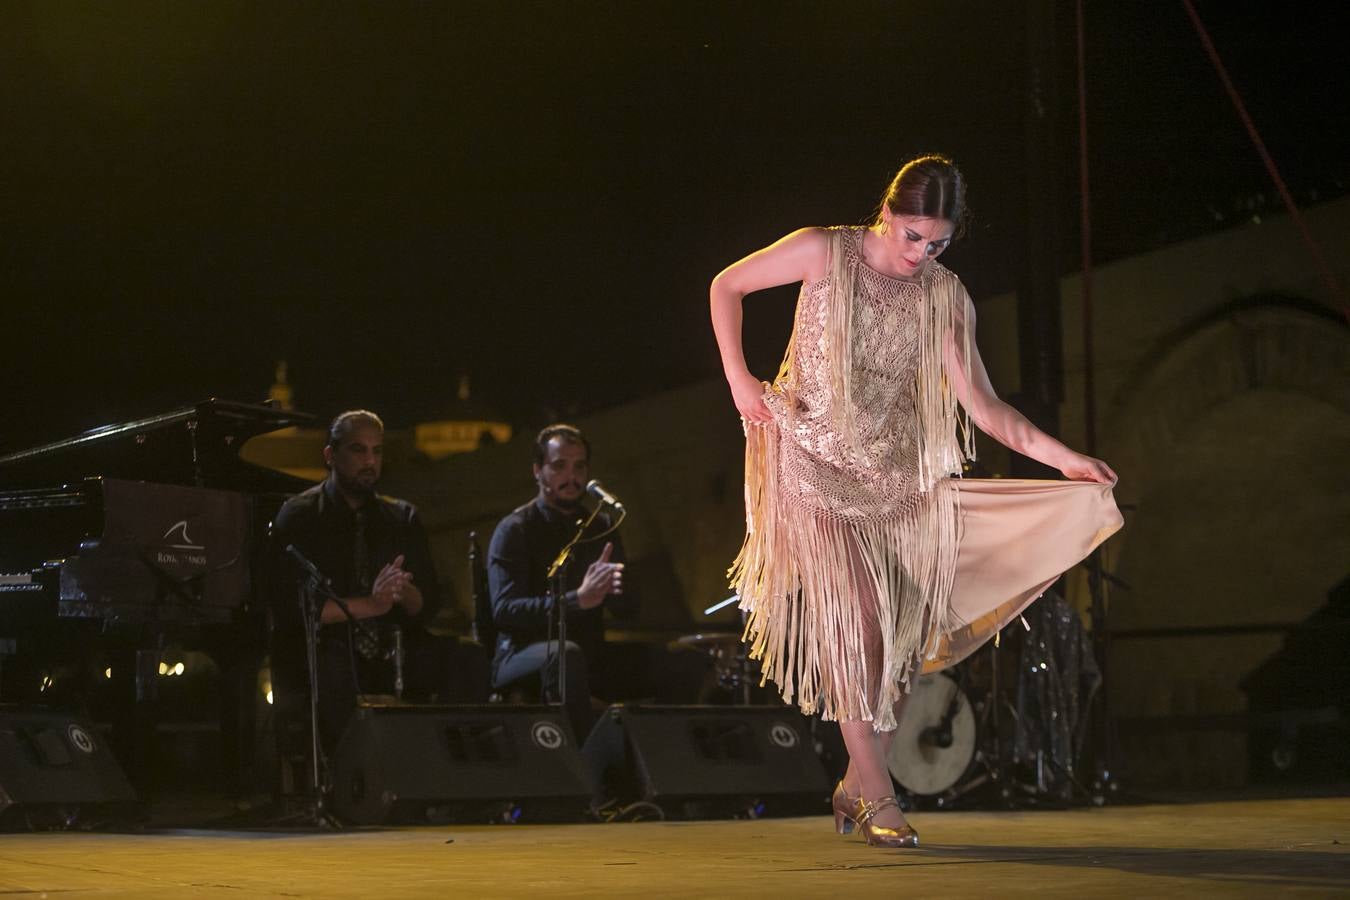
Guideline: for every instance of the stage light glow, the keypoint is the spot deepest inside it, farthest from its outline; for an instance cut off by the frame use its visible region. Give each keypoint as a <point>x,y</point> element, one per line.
<point>264,681</point>
<point>107,673</point>
<point>163,668</point>
<point>179,669</point>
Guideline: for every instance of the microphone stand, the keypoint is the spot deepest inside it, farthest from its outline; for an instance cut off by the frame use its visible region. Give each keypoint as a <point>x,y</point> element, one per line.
<point>556,590</point>
<point>313,590</point>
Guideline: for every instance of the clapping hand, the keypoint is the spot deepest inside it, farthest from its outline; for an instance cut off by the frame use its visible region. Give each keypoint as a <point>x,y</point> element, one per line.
<point>602,579</point>
<point>389,586</point>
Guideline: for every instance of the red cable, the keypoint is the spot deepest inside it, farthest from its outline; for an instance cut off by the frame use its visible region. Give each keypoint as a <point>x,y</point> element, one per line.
<point>1327,275</point>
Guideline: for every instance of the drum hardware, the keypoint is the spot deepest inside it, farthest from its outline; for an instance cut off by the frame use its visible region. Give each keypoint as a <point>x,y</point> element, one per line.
<point>948,745</point>
<point>1106,778</point>
<point>963,737</point>
<point>1003,727</point>
<point>936,741</point>
<point>729,665</point>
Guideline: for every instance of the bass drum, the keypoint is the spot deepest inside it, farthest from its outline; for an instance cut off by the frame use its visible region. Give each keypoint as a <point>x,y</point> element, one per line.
<point>935,743</point>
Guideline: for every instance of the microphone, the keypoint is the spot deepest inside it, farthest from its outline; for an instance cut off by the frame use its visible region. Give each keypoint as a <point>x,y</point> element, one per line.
<point>596,490</point>
<point>304,562</point>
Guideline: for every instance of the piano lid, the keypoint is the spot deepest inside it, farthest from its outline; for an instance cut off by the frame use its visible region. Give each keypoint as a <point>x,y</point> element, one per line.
<point>195,445</point>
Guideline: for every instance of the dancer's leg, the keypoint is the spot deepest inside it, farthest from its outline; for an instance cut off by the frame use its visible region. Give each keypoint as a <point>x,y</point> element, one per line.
<point>867,774</point>
<point>888,737</point>
<point>853,782</point>
<point>867,768</point>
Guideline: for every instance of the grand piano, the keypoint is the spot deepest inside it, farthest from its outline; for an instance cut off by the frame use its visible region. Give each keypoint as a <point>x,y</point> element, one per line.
<point>130,535</point>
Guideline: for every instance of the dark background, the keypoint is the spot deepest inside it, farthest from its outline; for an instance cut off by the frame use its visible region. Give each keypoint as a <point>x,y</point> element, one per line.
<point>389,195</point>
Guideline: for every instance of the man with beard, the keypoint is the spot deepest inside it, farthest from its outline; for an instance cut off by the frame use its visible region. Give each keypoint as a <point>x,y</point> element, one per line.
<point>523,547</point>
<point>374,552</point>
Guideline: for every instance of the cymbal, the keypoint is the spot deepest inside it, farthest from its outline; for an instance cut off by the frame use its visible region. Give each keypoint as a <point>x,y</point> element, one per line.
<point>706,639</point>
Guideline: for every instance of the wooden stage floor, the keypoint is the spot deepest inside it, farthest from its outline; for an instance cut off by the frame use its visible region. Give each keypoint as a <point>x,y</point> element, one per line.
<point>1228,849</point>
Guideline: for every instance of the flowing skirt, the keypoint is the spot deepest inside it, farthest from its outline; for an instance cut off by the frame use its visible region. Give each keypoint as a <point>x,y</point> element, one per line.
<point>1017,536</point>
<point>841,613</point>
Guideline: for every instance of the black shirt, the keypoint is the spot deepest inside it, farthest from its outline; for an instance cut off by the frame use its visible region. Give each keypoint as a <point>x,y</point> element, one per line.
<point>322,526</point>
<point>523,547</point>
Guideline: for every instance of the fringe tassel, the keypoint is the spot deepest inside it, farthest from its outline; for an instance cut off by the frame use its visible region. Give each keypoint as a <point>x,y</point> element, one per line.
<point>942,319</point>
<point>839,336</point>
<point>803,575</point>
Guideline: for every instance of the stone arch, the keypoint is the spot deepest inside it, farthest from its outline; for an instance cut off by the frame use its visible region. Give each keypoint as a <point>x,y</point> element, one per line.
<point>1230,441</point>
<point>1269,341</point>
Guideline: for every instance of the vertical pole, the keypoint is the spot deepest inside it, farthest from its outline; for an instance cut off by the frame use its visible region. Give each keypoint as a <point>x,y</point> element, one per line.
<point>1038,301</point>
<point>1085,239</point>
<point>1106,781</point>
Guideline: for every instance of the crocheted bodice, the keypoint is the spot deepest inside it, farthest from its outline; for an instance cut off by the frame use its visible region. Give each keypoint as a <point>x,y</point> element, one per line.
<point>877,472</point>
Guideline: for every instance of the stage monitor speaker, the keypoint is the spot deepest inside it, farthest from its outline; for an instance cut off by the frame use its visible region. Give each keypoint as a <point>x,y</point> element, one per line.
<point>402,764</point>
<point>708,761</point>
<point>56,771</point>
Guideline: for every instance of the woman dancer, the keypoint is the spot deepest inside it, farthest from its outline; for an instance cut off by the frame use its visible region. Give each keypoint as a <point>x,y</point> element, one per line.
<point>864,560</point>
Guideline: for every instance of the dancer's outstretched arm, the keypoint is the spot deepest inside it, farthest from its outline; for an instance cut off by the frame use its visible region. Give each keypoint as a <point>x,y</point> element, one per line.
<point>1002,422</point>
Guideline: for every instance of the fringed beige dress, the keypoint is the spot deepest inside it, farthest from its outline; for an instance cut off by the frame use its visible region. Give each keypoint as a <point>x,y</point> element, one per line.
<point>863,556</point>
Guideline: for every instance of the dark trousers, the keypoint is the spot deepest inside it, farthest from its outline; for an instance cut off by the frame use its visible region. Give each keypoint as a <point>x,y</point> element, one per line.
<point>540,661</point>
<point>435,668</point>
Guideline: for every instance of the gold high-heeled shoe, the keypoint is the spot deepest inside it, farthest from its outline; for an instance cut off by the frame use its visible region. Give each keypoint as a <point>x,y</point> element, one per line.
<point>881,835</point>
<point>846,809</point>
